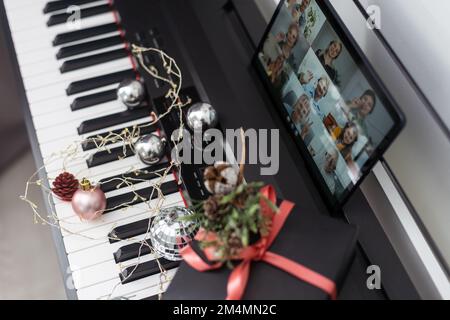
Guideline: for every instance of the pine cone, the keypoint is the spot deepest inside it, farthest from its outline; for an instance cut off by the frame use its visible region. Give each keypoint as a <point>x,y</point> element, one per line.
<point>65,186</point>
<point>234,244</point>
<point>211,208</point>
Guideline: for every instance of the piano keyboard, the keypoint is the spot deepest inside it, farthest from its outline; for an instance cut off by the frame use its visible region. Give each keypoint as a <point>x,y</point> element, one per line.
<point>70,77</point>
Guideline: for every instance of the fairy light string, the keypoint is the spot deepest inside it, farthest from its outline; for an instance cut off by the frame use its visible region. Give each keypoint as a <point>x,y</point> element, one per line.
<point>73,155</point>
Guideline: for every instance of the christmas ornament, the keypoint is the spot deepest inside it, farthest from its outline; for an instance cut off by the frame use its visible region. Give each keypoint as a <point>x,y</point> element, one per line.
<point>235,244</point>
<point>64,186</point>
<point>89,202</point>
<point>131,93</point>
<point>169,232</point>
<point>150,148</point>
<point>211,209</point>
<point>222,178</point>
<point>201,116</point>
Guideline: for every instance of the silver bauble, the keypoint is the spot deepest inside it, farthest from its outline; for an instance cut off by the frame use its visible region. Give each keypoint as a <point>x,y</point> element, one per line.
<point>150,148</point>
<point>202,116</point>
<point>169,233</point>
<point>131,93</point>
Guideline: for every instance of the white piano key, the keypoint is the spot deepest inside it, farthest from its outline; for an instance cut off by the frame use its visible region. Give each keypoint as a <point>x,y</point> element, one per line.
<point>94,237</point>
<point>101,253</point>
<point>19,25</point>
<point>45,65</point>
<point>66,115</point>
<point>99,235</point>
<point>104,271</point>
<point>118,169</point>
<point>63,101</point>
<point>38,56</point>
<point>146,293</point>
<point>70,128</point>
<point>51,150</point>
<point>81,169</point>
<point>11,5</point>
<point>113,288</point>
<point>72,224</point>
<point>54,84</point>
<point>75,225</point>
<point>22,45</point>
<point>38,7</point>
<point>52,66</point>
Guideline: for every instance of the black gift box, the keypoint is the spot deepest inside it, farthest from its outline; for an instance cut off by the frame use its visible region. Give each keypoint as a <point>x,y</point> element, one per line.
<point>321,243</point>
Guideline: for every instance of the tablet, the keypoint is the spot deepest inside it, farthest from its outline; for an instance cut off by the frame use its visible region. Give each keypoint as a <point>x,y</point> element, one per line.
<point>337,110</point>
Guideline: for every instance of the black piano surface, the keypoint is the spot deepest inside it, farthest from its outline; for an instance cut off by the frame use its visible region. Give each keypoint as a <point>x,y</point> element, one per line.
<point>213,42</point>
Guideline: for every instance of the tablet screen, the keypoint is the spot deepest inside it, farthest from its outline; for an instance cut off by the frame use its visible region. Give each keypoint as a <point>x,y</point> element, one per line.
<point>335,107</point>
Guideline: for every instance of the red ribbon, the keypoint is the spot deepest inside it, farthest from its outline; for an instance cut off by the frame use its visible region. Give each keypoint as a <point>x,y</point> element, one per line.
<point>237,282</point>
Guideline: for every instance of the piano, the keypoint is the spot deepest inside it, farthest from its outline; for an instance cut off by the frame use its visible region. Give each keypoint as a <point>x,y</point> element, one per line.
<point>68,78</point>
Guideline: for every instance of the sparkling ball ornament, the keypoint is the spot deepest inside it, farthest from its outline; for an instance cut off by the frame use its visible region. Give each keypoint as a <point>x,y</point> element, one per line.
<point>202,116</point>
<point>150,148</point>
<point>222,178</point>
<point>131,93</point>
<point>169,233</point>
<point>64,186</point>
<point>88,202</point>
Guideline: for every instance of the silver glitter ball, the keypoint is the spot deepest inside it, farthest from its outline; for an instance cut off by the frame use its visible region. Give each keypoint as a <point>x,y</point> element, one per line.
<point>131,93</point>
<point>150,148</point>
<point>169,233</point>
<point>202,116</point>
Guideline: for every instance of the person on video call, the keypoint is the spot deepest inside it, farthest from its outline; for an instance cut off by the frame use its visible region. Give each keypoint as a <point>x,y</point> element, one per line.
<point>328,164</point>
<point>360,108</point>
<point>317,92</point>
<point>297,8</point>
<point>346,139</point>
<point>328,56</point>
<point>287,42</point>
<point>299,114</point>
<point>276,72</point>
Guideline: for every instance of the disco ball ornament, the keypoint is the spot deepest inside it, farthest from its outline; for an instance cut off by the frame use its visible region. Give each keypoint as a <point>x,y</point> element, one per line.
<point>202,116</point>
<point>169,233</point>
<point>88,202</point>
<point>150,148</point>
<point>131,93</point>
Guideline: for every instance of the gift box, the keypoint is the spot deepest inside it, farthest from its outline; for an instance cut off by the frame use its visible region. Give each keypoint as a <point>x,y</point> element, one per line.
<point>320,243</point>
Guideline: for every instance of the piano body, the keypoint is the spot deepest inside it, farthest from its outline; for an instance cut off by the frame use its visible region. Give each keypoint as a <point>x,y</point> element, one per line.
<point>68,80</point>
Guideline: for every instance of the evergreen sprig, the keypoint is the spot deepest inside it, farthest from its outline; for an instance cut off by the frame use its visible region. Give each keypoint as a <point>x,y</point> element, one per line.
<point>234,218</point>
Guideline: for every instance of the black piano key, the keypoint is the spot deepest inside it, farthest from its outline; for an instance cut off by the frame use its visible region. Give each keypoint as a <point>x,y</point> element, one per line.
<point>148,173</point>
<point>146,269</point>
<point>132,251</point>
<point>93,99</point>
<point>84,13</point>
<point>92,141</point>
<point>129,230</point>
<point>145,194</point>
<point>85,47</point>
<point>53,6</point>
<point>77,35</point>
<point>112,120</point>
<point>84,62</point>
<point>98,82</point>
<point>110,155</point>
<point>151,298</point>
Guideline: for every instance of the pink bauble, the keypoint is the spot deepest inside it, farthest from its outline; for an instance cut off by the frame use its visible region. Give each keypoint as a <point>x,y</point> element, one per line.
<point>89,204</point>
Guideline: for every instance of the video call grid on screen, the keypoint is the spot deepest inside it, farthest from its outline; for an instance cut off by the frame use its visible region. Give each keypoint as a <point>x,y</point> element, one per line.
<point>328,102</point>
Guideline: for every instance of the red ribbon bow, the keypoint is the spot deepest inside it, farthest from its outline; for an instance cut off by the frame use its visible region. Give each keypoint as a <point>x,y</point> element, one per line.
<point>238,279</point>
